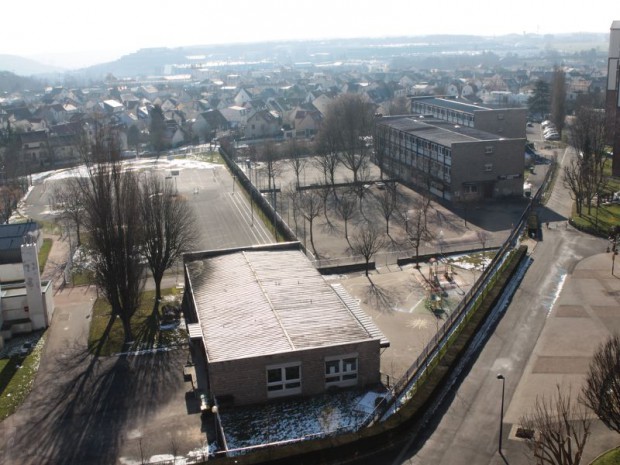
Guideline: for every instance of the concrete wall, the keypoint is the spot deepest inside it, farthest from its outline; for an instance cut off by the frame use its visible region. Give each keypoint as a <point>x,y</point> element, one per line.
<point>509,123</point>
<point>505,178</point>
<point>246,379</point>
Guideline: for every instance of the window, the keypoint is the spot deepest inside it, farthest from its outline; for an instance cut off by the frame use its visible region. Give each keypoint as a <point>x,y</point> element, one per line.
<point>488,167</point>
<point>470,188</point>
<point>488,149</point>
<point>341,371</point>
<point>284,380</point>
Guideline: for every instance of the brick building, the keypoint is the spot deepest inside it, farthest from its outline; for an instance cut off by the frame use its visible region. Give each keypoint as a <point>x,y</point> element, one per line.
<point>454,162</point>
<point>505,122</point>
<point>268,326</point>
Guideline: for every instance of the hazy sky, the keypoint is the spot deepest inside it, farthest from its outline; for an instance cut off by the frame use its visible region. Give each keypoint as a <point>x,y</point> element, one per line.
<point>100,30</point>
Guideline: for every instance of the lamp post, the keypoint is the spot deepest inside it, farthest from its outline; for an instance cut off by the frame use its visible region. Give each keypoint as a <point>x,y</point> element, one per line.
<point>501,416</point>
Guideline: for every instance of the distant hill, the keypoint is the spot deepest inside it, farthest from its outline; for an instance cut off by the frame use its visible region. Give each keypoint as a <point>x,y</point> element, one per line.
<point>425,51</point>
<point>25,67</point>
<point>10,82</point>
<point>144,62</point>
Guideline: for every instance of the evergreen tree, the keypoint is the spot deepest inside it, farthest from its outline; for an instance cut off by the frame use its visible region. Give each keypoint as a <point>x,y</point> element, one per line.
<point>540,102</point>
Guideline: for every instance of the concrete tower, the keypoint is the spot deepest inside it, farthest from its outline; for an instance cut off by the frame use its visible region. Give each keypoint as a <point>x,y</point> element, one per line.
<point>36,307</point>
<point>612,101</point>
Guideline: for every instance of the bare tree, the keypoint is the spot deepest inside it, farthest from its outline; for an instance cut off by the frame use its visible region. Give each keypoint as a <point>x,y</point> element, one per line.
<point>9,196</point>
<point>585,177</point>
<point>327,161</point>
<point>169,226</point>
<point>310,206</point>
<point>269,155</point>
<point>349,121</point>
<point>296,159</point>
<point>558,430</point>
<point>111,215</point>
<point>483,238</point>
<point>324,192</point>
<point>68,198</point>
<point>388,202</point>
<point>399,106</point>
<point>601,392</point>
<point>292,196</point>
<point>574,181</point>
<point>367,242</point>
<point>417,227</point>
<point>345,206</point>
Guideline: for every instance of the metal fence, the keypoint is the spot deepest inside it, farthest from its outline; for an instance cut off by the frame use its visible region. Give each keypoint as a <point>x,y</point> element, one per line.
<point>401,389</point>
<point>460,314</point>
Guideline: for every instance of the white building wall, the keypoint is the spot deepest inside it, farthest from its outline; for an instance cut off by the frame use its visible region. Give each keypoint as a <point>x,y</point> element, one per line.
<point>32,278</point>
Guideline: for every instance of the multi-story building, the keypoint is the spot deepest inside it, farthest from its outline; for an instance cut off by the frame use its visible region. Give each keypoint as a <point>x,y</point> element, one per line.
<point>612,104</point>
<point>455,162</point>
<point>505,122</point>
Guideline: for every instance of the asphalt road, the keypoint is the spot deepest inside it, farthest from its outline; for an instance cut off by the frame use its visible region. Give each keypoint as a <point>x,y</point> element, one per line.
<point>226,217</point>
<point>465,429</point>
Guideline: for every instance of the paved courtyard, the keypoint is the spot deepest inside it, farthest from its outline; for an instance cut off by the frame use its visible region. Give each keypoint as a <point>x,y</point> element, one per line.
<point>107,403</point>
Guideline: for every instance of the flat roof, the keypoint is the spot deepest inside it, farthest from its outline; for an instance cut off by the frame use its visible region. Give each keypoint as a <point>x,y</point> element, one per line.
<point>439,131</point>
<point>451,104</point>
<point>17,230</point>
<point>263,301</point>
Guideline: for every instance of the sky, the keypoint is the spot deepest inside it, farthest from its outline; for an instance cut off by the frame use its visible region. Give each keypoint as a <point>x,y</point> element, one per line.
<point>74,32</point>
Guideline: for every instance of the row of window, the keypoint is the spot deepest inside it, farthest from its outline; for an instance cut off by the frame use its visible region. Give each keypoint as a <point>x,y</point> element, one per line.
<point>285,379</point>
<point>453,116</point>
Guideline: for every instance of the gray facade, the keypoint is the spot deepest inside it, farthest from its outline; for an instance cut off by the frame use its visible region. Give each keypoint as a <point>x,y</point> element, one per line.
<point>612,101</point>
<point>453,162</point>
<point>505,122</point>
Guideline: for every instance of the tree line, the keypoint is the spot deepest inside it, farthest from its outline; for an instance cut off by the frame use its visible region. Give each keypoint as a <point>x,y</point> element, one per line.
<point>127,222</point>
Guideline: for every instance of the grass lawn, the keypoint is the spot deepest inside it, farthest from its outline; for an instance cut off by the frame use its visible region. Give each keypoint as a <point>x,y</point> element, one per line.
<point>611,457</point>
<point>82,277</point>
<point>603,218</point>
<point>16,379</point>
<point>146,332</point>
<point>44,252</point>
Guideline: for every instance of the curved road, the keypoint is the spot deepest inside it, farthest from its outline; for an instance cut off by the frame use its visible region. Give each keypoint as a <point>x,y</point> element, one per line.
<point>466,428</point>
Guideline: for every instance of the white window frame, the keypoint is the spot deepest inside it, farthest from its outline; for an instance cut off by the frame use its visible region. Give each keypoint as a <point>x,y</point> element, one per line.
<point>489,149</point>
<point>488,167</point>
<point>342,373</point>
<point>283,386</point>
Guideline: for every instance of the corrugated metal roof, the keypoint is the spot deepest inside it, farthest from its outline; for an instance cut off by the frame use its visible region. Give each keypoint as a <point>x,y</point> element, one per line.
<point>194,330</point>
<point>259,302</point>
<point>361,316</point>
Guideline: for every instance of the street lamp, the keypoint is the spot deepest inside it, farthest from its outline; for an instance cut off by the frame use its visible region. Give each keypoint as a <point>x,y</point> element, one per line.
<point>501,417</point>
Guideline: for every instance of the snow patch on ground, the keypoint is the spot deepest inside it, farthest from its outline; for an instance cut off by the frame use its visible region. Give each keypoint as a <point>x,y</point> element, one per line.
<point>299,419</point>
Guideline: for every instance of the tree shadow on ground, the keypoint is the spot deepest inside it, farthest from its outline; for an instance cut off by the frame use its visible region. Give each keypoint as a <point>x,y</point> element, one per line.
<point>331,228</point>
<point>379,298</point>
<point>82,407</point>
